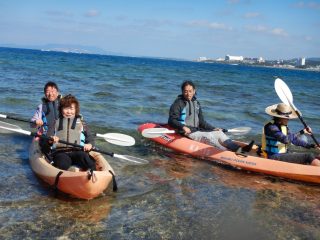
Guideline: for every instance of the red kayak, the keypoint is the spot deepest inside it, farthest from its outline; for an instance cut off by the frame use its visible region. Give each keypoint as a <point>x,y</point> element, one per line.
<point>251,161</point>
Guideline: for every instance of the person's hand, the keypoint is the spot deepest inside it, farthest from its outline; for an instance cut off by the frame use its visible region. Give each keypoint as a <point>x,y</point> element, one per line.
<point>308,130</point>
<point>53,139</point>
<point>87,147</point>
<point>39,122</point>
<point>186,130</point>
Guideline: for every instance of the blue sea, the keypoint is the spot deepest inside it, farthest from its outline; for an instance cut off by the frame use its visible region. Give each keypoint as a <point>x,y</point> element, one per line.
<point>174,196</point>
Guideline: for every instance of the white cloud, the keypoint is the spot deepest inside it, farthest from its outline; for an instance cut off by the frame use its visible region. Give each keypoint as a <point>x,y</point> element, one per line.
<point>221,26</point>
<point>210,25</point>
<point>279,32</point>
<point>92,13</point>
<point>263,29</point>
<point>251,15</point>
<point>311,5</point>
<point>258,28</point>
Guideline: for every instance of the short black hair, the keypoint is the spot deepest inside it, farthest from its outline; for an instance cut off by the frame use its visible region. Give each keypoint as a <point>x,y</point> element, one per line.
<point>50,84</point>
<point>186,83</point>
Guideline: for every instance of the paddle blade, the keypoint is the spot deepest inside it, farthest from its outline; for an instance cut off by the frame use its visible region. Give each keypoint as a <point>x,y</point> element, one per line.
<point>8,128</point>
<point>131,159</point>
<point>118,139</point>
<point>3,116</point>
<point>239,130</point>
<point>283,92</point>
<point>155,132</point>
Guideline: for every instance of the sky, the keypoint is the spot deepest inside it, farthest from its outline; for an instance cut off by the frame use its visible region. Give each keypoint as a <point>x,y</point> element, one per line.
<point>185,29</point>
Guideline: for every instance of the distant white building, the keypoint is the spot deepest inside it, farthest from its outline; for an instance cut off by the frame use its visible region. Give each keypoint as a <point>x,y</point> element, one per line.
<point>233,58</point>
<point>260,60</point>
<point>202,59</point>
<point>301,61</point>
<point>220,59</point>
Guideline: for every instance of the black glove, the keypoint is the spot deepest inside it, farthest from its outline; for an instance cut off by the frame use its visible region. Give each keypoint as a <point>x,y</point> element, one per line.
<point>312,145</point>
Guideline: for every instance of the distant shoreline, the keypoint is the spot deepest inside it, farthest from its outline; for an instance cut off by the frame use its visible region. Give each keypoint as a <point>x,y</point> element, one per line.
<point>234,63</point>
<point>261,65</point>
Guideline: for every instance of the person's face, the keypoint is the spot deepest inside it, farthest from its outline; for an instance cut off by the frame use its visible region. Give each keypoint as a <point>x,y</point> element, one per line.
<point>51,94</point>
<point>188,92</point>
<point>69,112</point>
<point>283,121</point>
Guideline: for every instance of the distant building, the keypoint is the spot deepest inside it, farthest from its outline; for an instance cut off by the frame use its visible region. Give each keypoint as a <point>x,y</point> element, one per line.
<point>301,61</point>
<point>234,58</point>
<point>202,59</point>
<point>253,60</point>
<point>220,59</point>
<point>260,60</point>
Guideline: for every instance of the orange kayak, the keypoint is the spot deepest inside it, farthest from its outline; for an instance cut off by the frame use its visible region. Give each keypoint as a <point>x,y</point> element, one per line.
<point>76,184</point>
<point>251,161</point>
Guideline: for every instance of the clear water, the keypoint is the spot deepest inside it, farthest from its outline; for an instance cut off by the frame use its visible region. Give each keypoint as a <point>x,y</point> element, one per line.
<point>174,196</point>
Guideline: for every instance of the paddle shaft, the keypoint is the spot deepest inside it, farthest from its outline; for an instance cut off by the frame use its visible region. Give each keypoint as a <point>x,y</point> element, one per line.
<point>301,119</point>
<point>15,118</point>
<point>306,126</point>
<point>60,141</point>
<point>124,157</point>
<point>122,140</point>
<point>75,145</point>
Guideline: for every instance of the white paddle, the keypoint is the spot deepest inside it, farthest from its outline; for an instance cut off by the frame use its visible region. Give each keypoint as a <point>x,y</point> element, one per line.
<point>8,125</point>
<point>13,128</point>
<point>285,95</point>
<point>117,139</point>
<point>238,130</point>
<point>14,118</point>
<point>157,132</point>
<point>114,138</point>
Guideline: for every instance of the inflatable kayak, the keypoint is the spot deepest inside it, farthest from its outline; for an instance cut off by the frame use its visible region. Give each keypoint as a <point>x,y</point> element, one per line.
<point>251,161</point>
<point>79,184</point>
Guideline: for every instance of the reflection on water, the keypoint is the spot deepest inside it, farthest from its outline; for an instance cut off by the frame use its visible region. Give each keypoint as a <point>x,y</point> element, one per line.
<point>47,217</point>
<point>173,197</point>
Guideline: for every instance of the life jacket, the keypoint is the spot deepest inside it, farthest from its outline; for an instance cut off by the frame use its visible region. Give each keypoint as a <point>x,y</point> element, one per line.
<point>70,130</point>
<point>50,113</point>
<point>189,115</point>
<point>271,145</point>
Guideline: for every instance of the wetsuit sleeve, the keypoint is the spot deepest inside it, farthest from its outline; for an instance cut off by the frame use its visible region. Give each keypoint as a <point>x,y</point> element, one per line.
<point>299,142</point>
<point>274,131</point>
<point>202,123</point>
<point>88,135</point>
<point>37,115</point>
<point>174,115</point>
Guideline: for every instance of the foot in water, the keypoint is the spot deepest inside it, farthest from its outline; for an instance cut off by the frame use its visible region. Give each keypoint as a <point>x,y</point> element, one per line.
<point>246,148</point>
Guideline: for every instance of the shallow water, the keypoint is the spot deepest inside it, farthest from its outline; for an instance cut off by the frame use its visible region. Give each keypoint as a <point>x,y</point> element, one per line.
<point>174,196</point>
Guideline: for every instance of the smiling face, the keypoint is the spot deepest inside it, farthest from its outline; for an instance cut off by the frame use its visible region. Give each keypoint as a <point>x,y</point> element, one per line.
<point>188,92</point>
<point>69,106</point>
<point>51,93</point>
<point>69,112</point>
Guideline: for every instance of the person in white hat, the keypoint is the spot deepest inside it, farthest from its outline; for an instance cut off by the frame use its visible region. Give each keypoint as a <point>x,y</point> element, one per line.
<point>276,137</point>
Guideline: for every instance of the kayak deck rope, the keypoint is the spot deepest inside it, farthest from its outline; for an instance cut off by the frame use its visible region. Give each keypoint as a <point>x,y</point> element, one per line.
<point>114,182</point>
<point>92,176</point>
<point>56,182</point>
